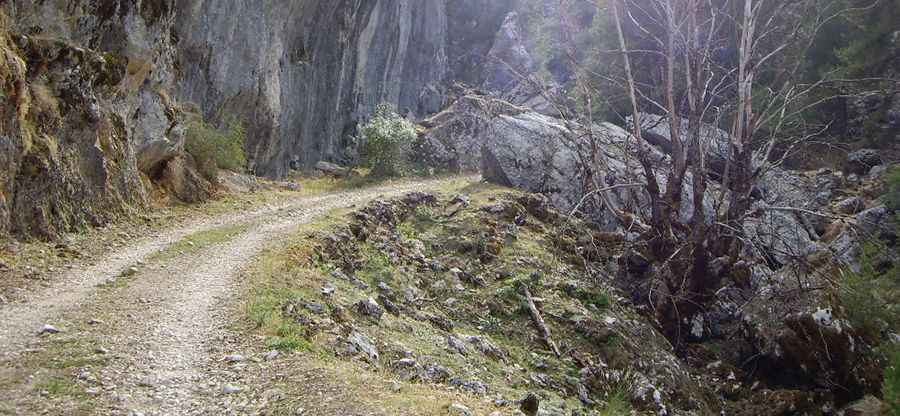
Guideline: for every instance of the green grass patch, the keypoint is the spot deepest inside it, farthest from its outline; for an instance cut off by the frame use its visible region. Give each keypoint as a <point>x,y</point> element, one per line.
<point>77,362</point>
<point>265,311</point>
<point>283,274</point>
<point>598,298</point>
<point>58,386</point>
<point>378,268</point>
<point>289,337</point>
<point>200,240</point>
<point>616,405</point>
<point>891,388</point>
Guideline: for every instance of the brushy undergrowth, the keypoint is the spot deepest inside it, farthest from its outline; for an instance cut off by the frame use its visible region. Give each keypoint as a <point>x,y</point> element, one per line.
<point>617,405</point>
<point>892,196</point>
<point>386,142</point>
<point>891,387</point>
<point>871,296</point>
<point>215,148</point>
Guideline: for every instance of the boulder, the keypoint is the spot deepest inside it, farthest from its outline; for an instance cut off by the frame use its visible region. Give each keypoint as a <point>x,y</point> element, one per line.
<point>457,409</point>
<point>867,406</point>
<point>332,169</point>
<point>359,343</point>
<point>873,221</point>
<point>851,206</point>
<point>369,307</point>
<point>536,153</point>
<point>239,182</point>
<point>659,129</point>
<point>862,161</point>
<point>452,139</point>
<point>518,147</point>
<point>152,155</point>
<point>529,152</point>
<point>181,179</point>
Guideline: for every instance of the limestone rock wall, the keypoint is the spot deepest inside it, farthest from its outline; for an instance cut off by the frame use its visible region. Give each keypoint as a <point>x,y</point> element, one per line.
<point>303,73</point>
<point>300,74</point>
<point>81,92</point>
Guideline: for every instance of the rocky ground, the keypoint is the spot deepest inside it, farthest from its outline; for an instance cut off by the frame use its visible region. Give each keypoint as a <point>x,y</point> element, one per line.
<point>417,298</point>
<point>437,290</point>
<point>147,328</point>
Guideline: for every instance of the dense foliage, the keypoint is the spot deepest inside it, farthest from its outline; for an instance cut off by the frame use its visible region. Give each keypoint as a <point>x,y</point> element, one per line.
<point>871,296</point>
<point>386,141</point>
<point>868,42</point>
<point>215,148</point>
<point>892,196</point>
<point>891,387</point>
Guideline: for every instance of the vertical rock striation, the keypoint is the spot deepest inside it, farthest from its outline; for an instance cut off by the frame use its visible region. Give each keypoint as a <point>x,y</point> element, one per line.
<point>112,77</point>
<point>303,73</point>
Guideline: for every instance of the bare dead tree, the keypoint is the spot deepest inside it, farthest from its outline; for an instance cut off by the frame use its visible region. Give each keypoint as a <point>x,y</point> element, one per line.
<point>690,86</point>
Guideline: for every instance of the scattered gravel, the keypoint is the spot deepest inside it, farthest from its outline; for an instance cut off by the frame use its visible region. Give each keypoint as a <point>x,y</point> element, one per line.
<point>170,326</point>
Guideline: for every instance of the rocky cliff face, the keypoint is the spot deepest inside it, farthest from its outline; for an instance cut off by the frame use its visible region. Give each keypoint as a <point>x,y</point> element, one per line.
<point>81,94</point>
<point>303,73</point>
<point>115,74</point>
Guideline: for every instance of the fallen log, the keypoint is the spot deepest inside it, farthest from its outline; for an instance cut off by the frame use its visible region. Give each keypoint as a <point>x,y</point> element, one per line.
<point>538,319</point>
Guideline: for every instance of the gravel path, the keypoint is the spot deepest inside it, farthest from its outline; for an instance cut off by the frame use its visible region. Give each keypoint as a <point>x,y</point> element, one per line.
<point>167,327</point>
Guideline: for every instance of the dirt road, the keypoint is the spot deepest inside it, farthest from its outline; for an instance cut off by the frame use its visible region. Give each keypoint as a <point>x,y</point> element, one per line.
<point>160,329</point>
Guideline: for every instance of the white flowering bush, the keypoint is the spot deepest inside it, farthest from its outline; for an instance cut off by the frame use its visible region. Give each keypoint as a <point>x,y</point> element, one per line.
<point>386,141</point>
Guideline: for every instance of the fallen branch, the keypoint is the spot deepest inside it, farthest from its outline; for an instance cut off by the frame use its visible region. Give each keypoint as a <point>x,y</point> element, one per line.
<point>538,320</point>
<point>804,211</point>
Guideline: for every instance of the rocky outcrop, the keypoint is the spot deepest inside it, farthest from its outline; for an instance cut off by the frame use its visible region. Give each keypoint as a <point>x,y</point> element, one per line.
<point>862,161</point>
<point>510,145</point>
<point>93,113</point>
<point>769,310</point>
<point>793,336</point>
<point>134,33</point>
<point>607,348</point>
<point>66,156</point>
<point>519,147</point>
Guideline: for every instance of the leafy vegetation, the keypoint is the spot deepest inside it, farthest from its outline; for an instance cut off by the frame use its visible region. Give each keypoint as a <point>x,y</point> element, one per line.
<point>860,44</point>
<point>617,405</point>
<point>891,387</point>
<point>386,142</point>
<point>892,196</point>
<point>215,148</point>
<point>871,296</point>
<point>871,30</point>
<point>59,386</point>
<point>469,289</point>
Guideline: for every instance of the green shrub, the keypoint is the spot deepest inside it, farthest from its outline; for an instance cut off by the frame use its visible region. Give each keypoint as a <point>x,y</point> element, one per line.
<point>871,297</point>
<point>891,388</point>
<point>216,148</point>
<point>600,299</point>
<point>617,405</point>
<point>386,142</point>
<point>892,196</point>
